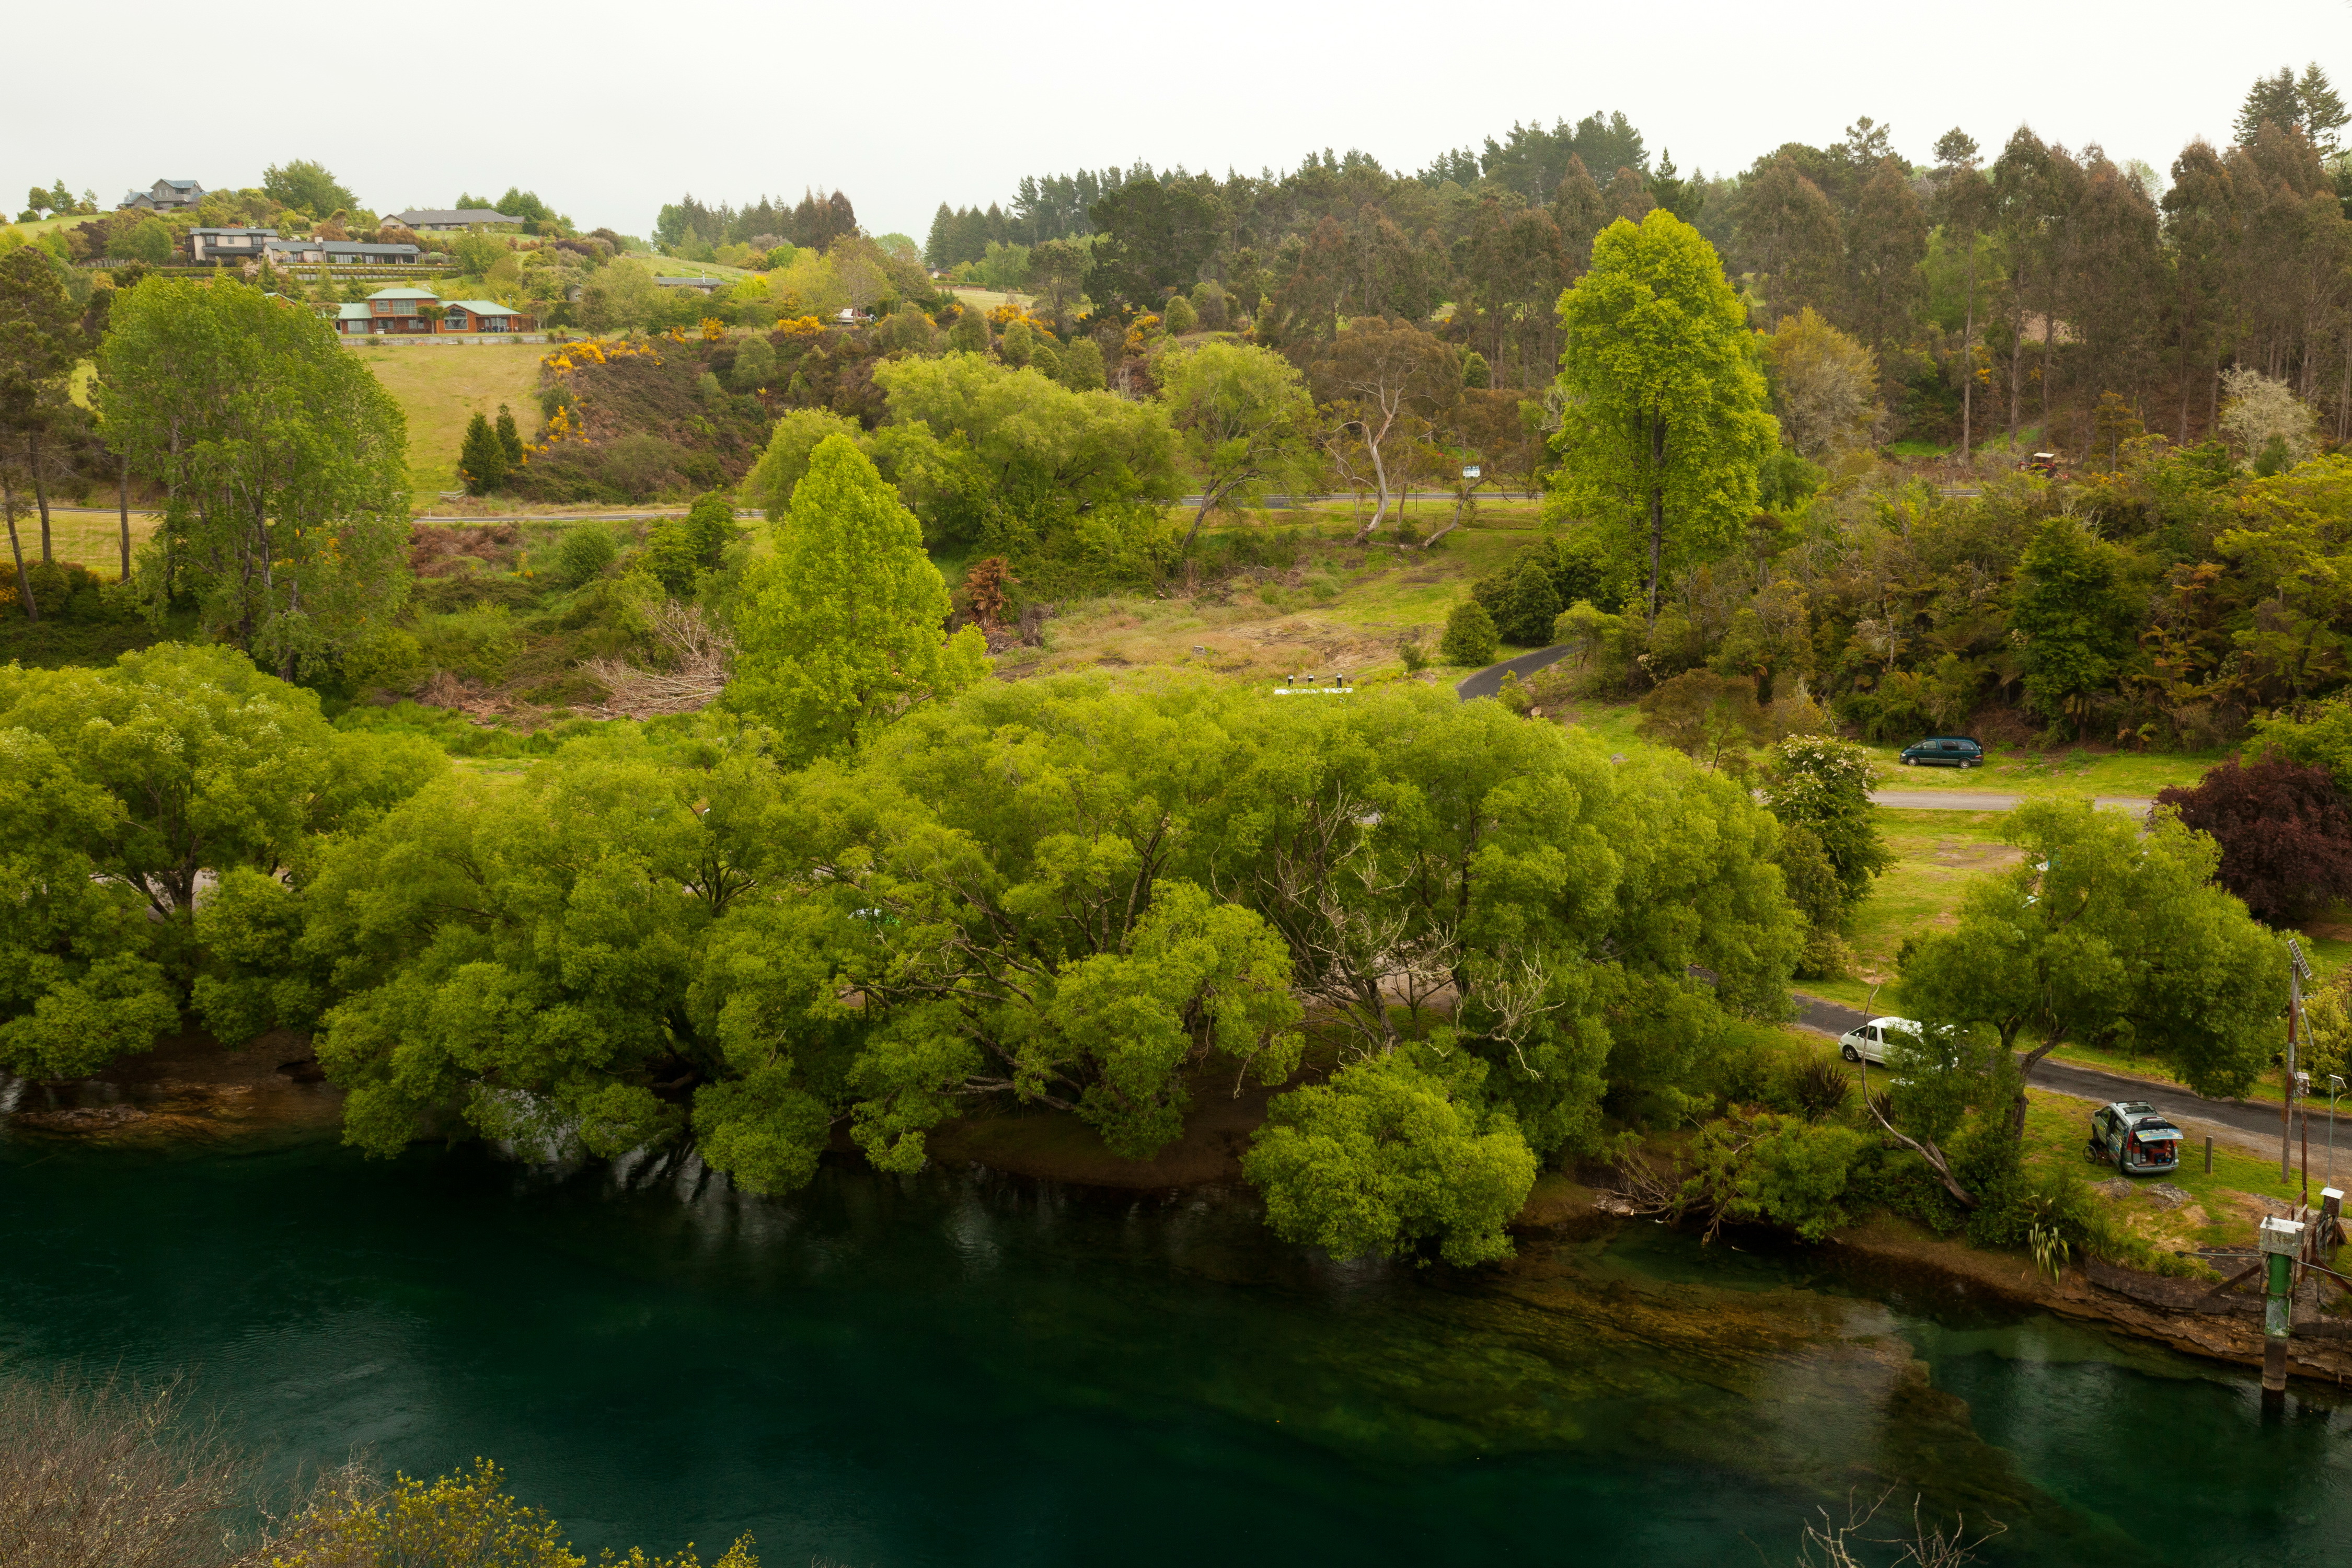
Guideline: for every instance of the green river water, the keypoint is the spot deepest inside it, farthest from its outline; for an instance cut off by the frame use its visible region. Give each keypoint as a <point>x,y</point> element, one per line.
<point>967,1368</point>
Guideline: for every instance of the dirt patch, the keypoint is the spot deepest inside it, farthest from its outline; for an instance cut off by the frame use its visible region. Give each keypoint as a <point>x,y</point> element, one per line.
<point>1976,856</point>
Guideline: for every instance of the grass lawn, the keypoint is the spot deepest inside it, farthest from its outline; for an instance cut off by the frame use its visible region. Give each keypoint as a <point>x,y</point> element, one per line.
<point>91,538</point>
<point>2078,773</point>
<point>1937,853</point>
<point>440,386</point>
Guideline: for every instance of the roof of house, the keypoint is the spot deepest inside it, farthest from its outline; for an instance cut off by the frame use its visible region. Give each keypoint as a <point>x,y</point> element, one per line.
<point>416,215</point>
<point>404,294</point>
<point>485,307</point>
<point>359,245</point>
<point>179,184</point>
<point>692,282</point>
<point>271,232</point>
<point>352,312</point>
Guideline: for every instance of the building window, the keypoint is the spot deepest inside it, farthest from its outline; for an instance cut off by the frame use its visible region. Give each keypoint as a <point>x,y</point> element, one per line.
<point>455,320</point>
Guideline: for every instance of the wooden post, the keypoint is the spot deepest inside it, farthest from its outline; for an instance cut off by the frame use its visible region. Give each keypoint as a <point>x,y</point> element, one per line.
<point>2209,1153</point>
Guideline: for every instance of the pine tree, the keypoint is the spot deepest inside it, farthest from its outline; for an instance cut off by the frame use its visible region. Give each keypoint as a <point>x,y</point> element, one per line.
<point>481,461</point>
<point>839,632</point>
<point>510,438</point>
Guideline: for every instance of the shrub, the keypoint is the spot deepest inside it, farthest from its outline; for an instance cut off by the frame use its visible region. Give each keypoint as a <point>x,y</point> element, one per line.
<point>584,553</point>
<point>1082,367</point>
<point>1469,635</point>
<point>1179,316</point>
<point>1704,716</point>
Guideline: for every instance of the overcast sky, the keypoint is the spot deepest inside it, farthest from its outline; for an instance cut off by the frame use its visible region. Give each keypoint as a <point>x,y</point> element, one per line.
<point>608,109</point>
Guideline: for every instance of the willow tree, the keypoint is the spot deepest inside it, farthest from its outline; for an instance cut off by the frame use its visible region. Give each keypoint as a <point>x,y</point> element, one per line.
<point>1663,415</point>
<point>283,463</point>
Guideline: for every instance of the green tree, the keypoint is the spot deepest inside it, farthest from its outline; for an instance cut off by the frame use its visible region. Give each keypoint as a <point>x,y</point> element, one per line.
<point>305,182</point>
<point>1823,785</point>
<point>481,459</point>
<point>755,366</point>
<point>1245,417</point>
<point>1391,1155</point>
<point>1470,638</point>
<point>770,484</point>
<point>2105,940</point>
<point>79,983</point>
<point>282,459</point>
<point>519,951</point>
<point>2073,609</point>
<point>150,240</point>
<point>510,438</point>
<point>682,546</point>
<point>984,453</point>
<point>1663,420</point>
<point>1082,365</point>
<point>970,333</point>
<point>842,627</point>
<point>40,341</point>
<point>1178,315</point>
<point>1057,273</point>
<point>1709,718</point>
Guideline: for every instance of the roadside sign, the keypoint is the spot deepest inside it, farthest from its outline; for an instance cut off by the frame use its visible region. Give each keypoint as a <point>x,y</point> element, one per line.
<point>1470,471</point>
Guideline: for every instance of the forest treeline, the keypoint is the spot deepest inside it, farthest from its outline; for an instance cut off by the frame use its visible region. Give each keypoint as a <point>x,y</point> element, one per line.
<point>2010,285</point>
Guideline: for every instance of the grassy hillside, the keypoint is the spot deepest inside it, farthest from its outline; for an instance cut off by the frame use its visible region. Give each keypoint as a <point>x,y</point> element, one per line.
<point>441,385</point>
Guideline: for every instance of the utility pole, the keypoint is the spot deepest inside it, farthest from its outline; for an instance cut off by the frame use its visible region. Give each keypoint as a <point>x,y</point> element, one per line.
<point>2282,1245</point>
<point>2297,969</point>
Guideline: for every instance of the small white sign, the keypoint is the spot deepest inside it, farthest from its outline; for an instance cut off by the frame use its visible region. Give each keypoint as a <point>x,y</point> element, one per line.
<point>1470,471</point>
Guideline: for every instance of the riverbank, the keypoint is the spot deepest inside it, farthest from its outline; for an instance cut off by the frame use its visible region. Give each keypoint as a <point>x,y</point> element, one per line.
<point>192,1089</point>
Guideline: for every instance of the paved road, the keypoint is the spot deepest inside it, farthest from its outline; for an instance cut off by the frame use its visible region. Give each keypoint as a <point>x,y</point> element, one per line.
<point>1986,800</point>
<point>2251,1125</point>
<point>1487,681</point>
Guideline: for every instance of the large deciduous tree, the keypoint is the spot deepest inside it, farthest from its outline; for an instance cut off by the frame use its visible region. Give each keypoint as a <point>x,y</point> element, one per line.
<point>2103,939</point>
<point>283,462</point>
<point>1663,420</point>
<point>2284,830</point>
<point>1245,418</point>
<point>1383,385</point>
<point>842,628</point>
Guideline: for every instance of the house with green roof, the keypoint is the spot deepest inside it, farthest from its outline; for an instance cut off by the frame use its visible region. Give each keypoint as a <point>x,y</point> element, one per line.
<point>402,312</point>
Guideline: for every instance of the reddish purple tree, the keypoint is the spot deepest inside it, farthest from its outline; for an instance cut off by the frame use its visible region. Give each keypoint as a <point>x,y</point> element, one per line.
<point>2285,833</point>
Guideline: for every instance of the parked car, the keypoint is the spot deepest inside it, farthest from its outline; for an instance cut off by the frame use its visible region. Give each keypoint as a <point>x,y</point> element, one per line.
<point>1944,751</point>
<point>2135,1138</point>
<point>1869,1043</point>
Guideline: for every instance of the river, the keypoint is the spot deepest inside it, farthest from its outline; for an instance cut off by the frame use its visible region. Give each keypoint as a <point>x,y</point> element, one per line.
<point>966,1369</point>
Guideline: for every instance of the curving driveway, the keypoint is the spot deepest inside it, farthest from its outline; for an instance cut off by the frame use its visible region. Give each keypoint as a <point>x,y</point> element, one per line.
<point>1487,681</point>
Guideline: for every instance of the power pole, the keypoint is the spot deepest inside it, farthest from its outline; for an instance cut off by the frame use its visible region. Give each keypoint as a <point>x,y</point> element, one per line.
<point>2298,970</point>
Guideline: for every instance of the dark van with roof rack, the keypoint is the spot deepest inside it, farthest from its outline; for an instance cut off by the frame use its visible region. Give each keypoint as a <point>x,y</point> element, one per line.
<point>1943,751</point>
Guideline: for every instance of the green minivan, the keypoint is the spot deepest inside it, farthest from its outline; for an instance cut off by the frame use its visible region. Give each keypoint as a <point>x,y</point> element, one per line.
<point>1943,751</point>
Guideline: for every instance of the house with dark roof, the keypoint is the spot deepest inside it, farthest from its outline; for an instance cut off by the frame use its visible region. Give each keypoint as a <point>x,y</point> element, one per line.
<point>163,196</point>
<point>440,220</point>
<point>707,285</point>
<point>353,252</point>
<point>219,245</point>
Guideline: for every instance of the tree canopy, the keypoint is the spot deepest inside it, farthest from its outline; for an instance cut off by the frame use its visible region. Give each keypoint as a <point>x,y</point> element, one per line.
<point>1663,415</point>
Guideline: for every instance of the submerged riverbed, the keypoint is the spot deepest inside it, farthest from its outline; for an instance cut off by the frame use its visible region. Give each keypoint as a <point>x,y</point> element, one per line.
<point>967,1368</point>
